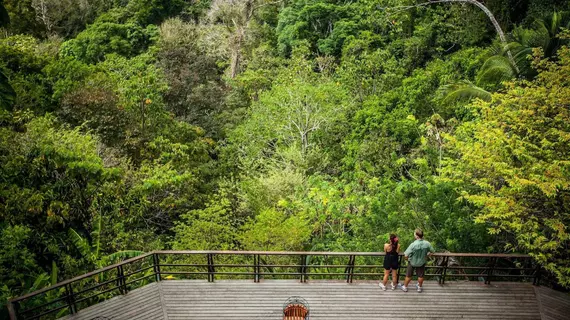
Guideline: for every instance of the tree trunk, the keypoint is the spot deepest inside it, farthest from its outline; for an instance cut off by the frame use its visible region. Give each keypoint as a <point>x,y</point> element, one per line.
<point>236,54</point>
<point>143,116</point>
<point>489,15</point>
<point>497,28</point>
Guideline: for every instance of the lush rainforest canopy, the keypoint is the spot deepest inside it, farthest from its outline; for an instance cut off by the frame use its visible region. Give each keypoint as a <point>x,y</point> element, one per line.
<point>133,125</point>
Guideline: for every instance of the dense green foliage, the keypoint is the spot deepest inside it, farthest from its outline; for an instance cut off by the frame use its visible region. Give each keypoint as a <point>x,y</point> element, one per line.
<point>133,125</point>
<point>514,157</point>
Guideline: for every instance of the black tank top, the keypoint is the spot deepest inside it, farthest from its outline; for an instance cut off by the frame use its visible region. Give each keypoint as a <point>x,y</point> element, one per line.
<point>394,251</point>
<point>391,258</point>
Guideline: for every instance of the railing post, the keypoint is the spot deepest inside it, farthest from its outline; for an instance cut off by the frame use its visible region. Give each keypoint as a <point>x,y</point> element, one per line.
<point>400,258</point>
<point>256,269</point>
<point>211,269</point>
<point>350,268</point>
<point>537,275</point>
<point>70,299</point>
<point>306,271</point>
<point>12,310</point>
<point>490,270</point>
<point>156,267</point>
<point>119,281</point>
<point>445,262</point>
<point>122,280</point>
<point>303,268</point>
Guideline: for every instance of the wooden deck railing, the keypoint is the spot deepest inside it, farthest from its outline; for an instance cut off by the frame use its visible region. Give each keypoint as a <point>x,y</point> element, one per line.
<point>69,296</point>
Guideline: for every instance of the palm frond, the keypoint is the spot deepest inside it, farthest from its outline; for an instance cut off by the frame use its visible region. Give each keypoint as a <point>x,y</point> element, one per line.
<point>54,272</point>
<point>463,91</point>
<point>537,37</point>
<point>496,48</point>
<point>41,281</point>
<point>514,47</point>
<point>81,244</point>
<point>550,26</point>
<point>96,236</point>
<point>496,70</point>
<point>553,22</point>
<point>520,53</point>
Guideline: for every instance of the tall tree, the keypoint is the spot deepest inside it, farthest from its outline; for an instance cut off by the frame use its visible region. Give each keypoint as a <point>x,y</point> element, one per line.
<point>544,34</point>
<point>236,15</point>
<point>514,162</point>
<point>195,87</point>
<point>486,10</point>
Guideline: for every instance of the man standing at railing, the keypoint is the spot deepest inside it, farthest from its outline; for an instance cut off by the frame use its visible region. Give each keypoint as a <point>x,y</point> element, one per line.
<point>416,255</point>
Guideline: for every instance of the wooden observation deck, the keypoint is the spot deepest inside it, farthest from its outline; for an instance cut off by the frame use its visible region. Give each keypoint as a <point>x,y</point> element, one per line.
<point>177,285</point>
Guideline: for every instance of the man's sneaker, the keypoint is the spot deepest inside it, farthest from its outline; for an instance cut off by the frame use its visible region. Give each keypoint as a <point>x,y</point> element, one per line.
<point>394,286</point>
<point>382,286</point>
<point>419,288</point>
<point>404,288</point>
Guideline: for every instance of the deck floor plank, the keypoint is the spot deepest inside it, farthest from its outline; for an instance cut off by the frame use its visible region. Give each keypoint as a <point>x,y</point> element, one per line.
<point>554,305</point>
<point>332,300</point>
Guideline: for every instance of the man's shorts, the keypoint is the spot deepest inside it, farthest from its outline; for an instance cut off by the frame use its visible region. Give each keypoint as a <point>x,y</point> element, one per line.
<point>420,271</point>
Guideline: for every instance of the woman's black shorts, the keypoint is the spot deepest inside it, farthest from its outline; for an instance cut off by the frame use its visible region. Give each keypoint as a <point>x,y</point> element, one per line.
<point>391,262</point>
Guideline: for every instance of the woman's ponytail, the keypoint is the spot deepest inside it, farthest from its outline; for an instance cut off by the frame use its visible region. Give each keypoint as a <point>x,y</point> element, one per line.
<point>394,242</point>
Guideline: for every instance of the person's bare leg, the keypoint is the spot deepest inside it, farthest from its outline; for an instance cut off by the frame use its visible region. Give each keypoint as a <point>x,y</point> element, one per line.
<point>408,279</point>
<point>386,275</point>
<point>420,281</point>
<point>395,277</point>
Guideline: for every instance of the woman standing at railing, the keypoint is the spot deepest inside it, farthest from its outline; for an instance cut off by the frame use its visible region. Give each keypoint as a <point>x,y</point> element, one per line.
<point>392,250</point>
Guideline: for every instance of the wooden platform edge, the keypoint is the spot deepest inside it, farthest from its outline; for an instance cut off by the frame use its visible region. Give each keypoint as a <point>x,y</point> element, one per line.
<point>539,302</point>
<point>162,301</point>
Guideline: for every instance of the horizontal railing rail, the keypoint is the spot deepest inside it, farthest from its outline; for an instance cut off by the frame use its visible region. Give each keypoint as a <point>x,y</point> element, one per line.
<point>69,296</point>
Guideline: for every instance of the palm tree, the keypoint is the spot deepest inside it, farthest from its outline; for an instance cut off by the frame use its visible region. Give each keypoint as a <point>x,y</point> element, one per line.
<point>496,69</point>
<point>479,5</point>
<point>544,33</point>
<point>500,67</point>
